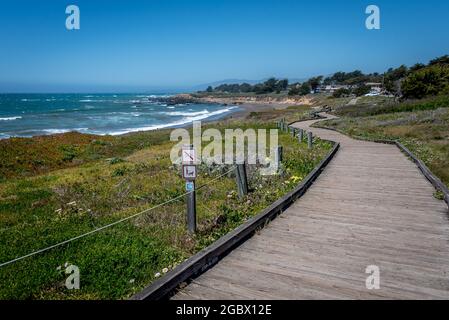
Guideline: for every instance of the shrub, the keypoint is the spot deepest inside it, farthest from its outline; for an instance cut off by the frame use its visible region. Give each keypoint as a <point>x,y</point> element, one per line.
<point>430,81</point>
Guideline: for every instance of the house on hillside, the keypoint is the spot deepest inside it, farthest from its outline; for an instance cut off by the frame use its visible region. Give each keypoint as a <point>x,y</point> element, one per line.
<point>376,87</point>
<point>331,88</point>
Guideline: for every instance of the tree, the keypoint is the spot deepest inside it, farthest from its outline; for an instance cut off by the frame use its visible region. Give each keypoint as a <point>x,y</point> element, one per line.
<point>362,90</point>
<point>209,89</point>
<point>429,81</point>
<point>246,87</point>
<point>315,82</point>
<point>440,60</point>
<point>341,93</point>
<point>304,89</point>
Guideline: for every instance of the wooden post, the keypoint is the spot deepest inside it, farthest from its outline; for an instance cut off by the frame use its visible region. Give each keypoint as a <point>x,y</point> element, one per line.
<point>309,140</point>
<point>280,153</point>
<point>241,179</point>
<point>191,210</point>
<point>189,173</point>
<point>293,132</point>
<point>301,135</point>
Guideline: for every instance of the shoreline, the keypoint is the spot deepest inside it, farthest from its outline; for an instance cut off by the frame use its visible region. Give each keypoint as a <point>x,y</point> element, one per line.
<point>244,107</point>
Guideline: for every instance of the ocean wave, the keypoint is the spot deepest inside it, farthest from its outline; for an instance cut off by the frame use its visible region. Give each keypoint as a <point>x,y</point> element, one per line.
<point>56,131</point>
<point>30,100</point>
<point>187,114</point>
<point>90,100</point>
<point>10,118</point>
<point>175,123</point>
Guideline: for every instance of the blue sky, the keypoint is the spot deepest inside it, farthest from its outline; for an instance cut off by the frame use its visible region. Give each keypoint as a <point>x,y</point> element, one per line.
<point>154,45</point>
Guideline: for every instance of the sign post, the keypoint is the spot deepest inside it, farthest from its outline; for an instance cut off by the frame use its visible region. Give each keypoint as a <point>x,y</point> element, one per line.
<point>189,173</point>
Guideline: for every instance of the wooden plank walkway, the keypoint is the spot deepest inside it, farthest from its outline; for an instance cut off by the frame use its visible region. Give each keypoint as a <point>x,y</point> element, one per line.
<point>371,206</point>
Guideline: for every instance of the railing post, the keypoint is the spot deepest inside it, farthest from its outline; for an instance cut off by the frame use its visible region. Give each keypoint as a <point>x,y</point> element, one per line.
<point>293,132</point>
<point>278,157</point>
<point>280,153</point>
<point>301,135</point>
<point>189,172</point>
<point>241,179</point>
<point>309,140</point>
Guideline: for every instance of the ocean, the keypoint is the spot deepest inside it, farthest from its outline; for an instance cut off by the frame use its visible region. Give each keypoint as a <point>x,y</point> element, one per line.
<point>27,115</point>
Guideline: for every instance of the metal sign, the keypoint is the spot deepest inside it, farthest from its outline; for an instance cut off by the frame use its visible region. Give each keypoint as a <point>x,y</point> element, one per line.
<point>189,172</point>
<point>188,155</point>
<point>190,186</point>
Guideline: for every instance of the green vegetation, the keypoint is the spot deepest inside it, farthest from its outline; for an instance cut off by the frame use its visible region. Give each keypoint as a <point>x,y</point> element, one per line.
<point>21,157</point>
<point>291,114</point>
<point>269,86</point>
<point>429,81</point>
<point>85,182</point>
<point>422,126</point>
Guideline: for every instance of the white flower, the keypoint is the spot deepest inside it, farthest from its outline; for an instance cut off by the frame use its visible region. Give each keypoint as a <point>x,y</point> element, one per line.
<point>157,275</point>
<point>132,280</point>
<point>165,270</point>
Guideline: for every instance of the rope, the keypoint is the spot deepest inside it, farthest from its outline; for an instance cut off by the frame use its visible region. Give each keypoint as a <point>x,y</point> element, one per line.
<point>109,225</point>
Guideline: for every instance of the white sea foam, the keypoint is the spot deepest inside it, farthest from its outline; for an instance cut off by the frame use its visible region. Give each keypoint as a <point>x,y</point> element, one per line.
<point>187,114</point>
<point>56,131</point>
<point>175,123</point>
<point>10,118</point>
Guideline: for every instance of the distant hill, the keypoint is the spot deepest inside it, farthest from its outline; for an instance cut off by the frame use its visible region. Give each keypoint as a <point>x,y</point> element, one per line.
<point>202,87</point>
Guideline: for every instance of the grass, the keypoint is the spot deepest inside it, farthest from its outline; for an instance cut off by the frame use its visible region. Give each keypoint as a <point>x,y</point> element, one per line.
<point>422,126</point>
<point>92,181</point>
<point>372,106</point>
<point>290,114</point>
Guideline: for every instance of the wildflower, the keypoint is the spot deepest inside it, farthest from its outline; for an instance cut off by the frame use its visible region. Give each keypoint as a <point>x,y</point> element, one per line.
<point>132,280</point>
<point>165,270</point>
<point>157,275</point>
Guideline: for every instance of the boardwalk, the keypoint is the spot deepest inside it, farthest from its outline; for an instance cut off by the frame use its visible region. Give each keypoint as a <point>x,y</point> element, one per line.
<point>371,206</point>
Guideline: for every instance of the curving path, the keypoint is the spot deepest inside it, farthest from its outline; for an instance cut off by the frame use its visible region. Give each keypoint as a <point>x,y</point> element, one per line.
<point>371,206</point>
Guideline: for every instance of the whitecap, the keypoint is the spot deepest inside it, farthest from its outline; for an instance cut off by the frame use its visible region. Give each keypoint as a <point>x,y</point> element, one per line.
<point>175,123</point>
<point>10,118</point>
<point>187,114</point>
